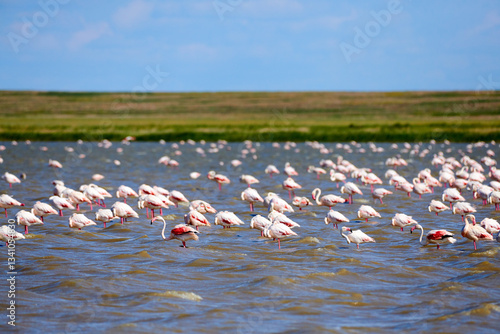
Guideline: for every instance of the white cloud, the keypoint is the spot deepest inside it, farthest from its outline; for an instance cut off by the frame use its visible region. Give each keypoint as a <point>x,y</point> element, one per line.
<point>133,13</point>
<point>490,21</point>
<point>89,34</point>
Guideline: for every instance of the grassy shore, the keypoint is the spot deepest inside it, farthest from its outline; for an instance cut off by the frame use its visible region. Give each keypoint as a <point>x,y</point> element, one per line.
<point>259,116</point>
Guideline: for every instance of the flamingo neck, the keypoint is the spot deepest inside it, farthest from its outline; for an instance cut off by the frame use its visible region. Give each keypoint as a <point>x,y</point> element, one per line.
<point>345,236</point>
<point>163,231</point>
<point>317,194</point>
<point>422,236</point>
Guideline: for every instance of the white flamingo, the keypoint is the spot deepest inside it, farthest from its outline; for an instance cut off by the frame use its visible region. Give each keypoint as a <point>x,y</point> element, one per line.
<point>356,237</point>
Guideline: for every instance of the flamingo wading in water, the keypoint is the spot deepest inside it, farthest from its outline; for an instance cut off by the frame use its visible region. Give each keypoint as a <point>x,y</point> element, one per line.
<point>180,232</point>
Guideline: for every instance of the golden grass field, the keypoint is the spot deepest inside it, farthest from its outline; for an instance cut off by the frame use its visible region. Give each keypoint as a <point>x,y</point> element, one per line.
<point>261,116</point>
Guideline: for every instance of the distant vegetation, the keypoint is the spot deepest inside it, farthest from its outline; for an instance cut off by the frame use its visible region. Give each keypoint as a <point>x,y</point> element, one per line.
<point>259,116</point>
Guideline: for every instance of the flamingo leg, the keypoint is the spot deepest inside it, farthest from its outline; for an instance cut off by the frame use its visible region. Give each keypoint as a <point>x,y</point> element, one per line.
<point>161,212</point>
<point>251,207</point>
<point>25,229</point>
<point>289,194</point>
<point>381,201</point>
<point>357,246</point>
<point>475,246</point>
<point>367,220</point>
<point>337,184</point>
<point>125,200</point>
<point>41,217</point>
<point>401,229</point>
<point>121,220</point>
<point>197,228</point>
<point>147,213</point>
<point>10,185</point>
<point>436,213</point>
<point>317,176</point>
<point>60,213</point>
<point>261,233</point>
<point>371,186</point>
<point>279,245</point>
<point>104,224</point>
<point>78,207</point>
<point>103,204</point>
<point>90,205</point>
<point>184,244</point>
<point>220,187</point>
<point>5,213</point>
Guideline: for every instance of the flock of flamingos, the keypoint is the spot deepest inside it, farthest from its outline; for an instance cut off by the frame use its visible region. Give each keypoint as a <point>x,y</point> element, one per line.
<point>454,178</point>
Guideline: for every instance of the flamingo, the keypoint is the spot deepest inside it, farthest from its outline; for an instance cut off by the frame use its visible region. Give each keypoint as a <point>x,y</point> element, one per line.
<point>366,211</point>
<point>123,211</point>
<point>195,218</point>
<point>10,178</point>
<point>335,218</point>
<point>290,185</point>
<point>420,188</point>
<point>351,189</point>
<point>437,207</point>
<point>474,232</point>
<point>77,197</point>
<point>42,210</point>
<point>271,169</point>
<point>7,202</point>
<point>404,186</point>
<point>402,220</point>
<point>227,219</point>
<point>180,232</point>
<point>92,194</point>
<point>125,192</point>
<point>371,179</point>
<point>490,225</point>
<point>194,175</point>
<point>201,207</point>
<point>103,192</point>
<point>281,218</point>
<point>7,233</point>
<point>462,208</point>
<point>55,164</point>
<point>177,197</point>
<point>482,191</point>
<point>301,202</point>
<point>337,177</point>
<point>219,178</point>
<point>105,216</point>
<point>317,170</point>
<point>26,218</point>
<point>248,179</point>
<point>356,237</point>
<point>145,189</point>
<point>494,198</point>
<point>278,231</point>
<point>436,237</point>
<point>61,203</point>
<point>380,193</point>
<point>97,177</point>
<point>150,202</point>
<point>251,196</point>
<point>78,220</point>
<point>452,195</point>
<point>328,200</point>
<point>278,204</point>
<point>289,170</point>
<point>260,223</point>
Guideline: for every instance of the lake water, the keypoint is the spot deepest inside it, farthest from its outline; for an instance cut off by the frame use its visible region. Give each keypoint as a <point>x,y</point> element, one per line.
<point>127,279</point>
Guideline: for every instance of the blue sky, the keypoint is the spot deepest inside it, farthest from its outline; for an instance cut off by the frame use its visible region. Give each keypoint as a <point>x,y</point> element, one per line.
<point>249,45</point>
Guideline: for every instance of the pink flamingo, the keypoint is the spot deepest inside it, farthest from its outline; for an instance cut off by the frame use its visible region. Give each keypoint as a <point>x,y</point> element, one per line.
<point>401,220</point>
<point>61,203</point>
<point>105,216</point>
<point>289,170</point>
<point>271,169</point>
<point>474,232</point>
<point>301,202</point>
<point>290,185</point>
<point>356,237</point>
<point>317,170</point>
<point>177,197</point>
<point>248,179</point>
<point>494,198</point>
<point>150,202</point>
<point>371,179</point>
<point>26,218</point>
<point>351,189</point>
<point>337,177</point>
<point>366,211</point>
<point>201,207</point>
<point>490,225</point>
<point>436,237</point>
<point>277,203</point>
<point>77,197</point>
<point>180,232</point>
<point>278,231</point>
<point>452,195</point>
<point>420,188</point>
<point>55,164</point>
<point>196,219</point>
<point>251,196</point>
<point>328,200</point>
<point>380,193</point>
<point>260,223</point>
<point>462,208</point>
<point>123,211</point>
<point>335,218</point>
<point>6,234</point>
<point>145,189</point>
<point>437,207</point>
<point>10,178</point>
<point>42,210</point>
<point>219,178</point>
<point>227,219</point>
<point>281,218</point>
<point>125,192</point>
<point>7,202</point>
<point>78,220</point>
